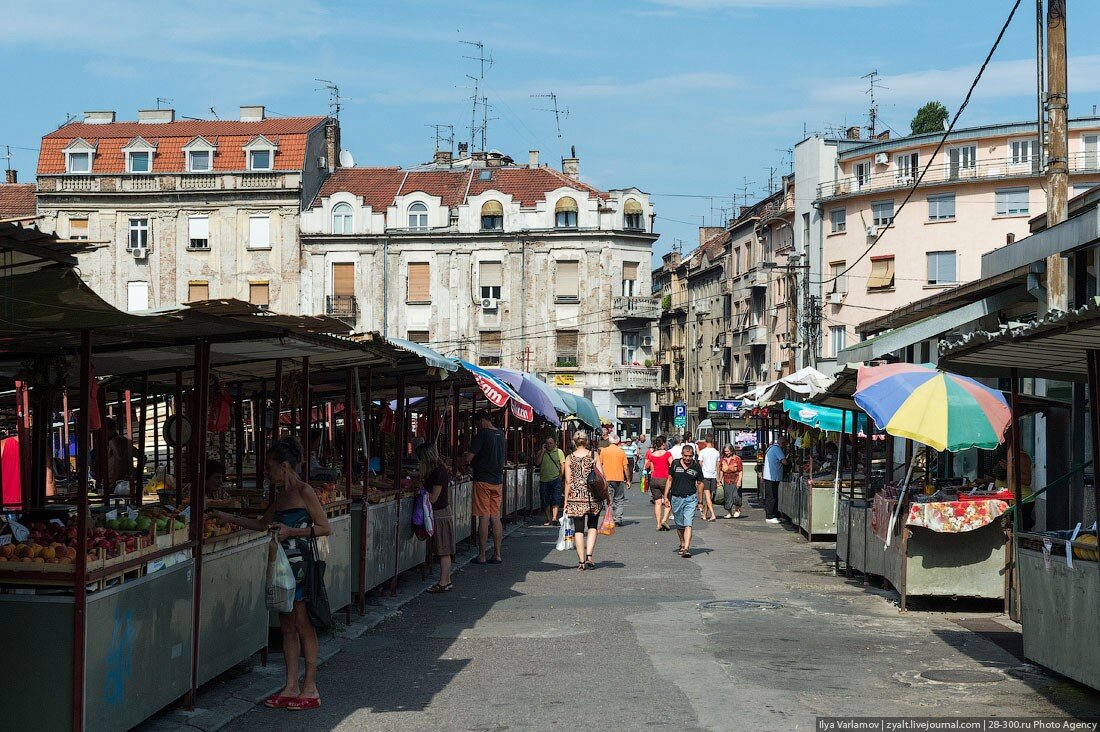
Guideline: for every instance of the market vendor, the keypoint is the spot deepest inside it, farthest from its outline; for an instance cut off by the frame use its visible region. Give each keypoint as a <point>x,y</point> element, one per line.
<point>215,478</point>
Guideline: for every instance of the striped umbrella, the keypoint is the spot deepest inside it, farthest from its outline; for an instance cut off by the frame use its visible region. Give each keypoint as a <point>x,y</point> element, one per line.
<point>944,411</point>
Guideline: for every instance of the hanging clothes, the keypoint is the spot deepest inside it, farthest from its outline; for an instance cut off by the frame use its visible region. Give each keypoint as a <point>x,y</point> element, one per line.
<point>10,473</point>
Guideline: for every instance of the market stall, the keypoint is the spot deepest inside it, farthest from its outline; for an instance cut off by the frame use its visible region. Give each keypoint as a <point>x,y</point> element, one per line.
<point>1058,568</point>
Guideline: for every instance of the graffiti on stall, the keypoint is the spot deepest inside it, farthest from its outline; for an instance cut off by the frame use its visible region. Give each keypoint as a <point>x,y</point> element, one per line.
<point>120,657</point>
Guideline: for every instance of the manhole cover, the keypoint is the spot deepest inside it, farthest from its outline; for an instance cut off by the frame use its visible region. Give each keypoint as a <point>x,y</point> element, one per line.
<point>961,676</point>
<point>740,605</point>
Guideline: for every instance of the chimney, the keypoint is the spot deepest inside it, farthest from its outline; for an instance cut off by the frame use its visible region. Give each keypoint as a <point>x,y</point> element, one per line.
<point>12,176</point>
<point>884,135</point>
<point>99,118</point>
<point>706,232</point>
<point>462,149</point>
<point>442,157</point>
<point>332,144</point>
<point>571,165</point>
<point>852,133</point>
<point>156,116</point>
<point>533,158</point>
<point>252,113</point>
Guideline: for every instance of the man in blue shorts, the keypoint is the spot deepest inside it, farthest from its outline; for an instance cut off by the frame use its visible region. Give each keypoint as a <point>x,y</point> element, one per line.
<point>685,483</point>
<point>550,460</point>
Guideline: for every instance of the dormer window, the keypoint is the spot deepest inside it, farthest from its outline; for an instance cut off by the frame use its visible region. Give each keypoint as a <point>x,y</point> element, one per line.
<point>259,160</point>
<point>492,216</point>
<point>139,156</point>
<point>80,162</point>
<point>260,153</point>
<point>341,219</point>
<point>198,161</point>
<point>565,213</point>
<point>418,216</point>
<point>633,218</point>
<point>140,162</point>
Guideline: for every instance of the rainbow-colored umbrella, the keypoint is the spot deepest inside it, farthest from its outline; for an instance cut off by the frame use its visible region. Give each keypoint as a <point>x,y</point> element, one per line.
<point>938,409</point>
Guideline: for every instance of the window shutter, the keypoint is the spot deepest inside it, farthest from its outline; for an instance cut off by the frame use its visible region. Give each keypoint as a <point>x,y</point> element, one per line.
<point>630,270</point>
<point>343,279</point>
<point>882,273</point>
<point>78,228</point>
<point>492,274</point>
<point>566,204</point>
<point>259,232</point>
<point>420,282</point>
<point>490,343</point>
<point>198,291</point>
<point>137,296</point>
<point>567,283</point>
<point>632,207</point>
<point>492,208</point>
<point>258,293</point>
<point>198,227</point>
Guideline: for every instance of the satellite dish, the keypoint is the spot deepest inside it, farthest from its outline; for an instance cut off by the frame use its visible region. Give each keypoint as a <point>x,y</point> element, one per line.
<point>346,160</point>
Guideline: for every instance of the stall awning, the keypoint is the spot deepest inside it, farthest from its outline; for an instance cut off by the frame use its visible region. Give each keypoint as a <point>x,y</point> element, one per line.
<point>582,409</point>
<point>801,385</point>
<point>499,393</point>
<point>431,357</point>
<point>828,419</point>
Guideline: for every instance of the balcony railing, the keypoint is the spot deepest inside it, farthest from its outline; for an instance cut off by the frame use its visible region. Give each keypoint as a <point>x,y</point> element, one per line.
<point>667,396</point>
<point>164,182</point>
<point>635,377</point>
<point>341,306</point>
<point>938,173</point>
<point>635,308</point>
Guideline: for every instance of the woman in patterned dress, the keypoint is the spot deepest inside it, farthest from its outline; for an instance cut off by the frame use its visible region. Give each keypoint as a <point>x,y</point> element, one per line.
<point>581,505</point>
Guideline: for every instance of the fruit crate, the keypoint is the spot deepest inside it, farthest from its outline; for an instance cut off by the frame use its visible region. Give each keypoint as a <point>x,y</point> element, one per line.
<point>341,507</point>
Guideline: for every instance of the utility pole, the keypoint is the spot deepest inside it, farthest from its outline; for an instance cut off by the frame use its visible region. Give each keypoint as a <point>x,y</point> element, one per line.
<point>1057,172</point>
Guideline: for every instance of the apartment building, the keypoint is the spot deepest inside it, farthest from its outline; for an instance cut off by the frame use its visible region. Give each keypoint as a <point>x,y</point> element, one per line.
<point>670,285</point>
<point>978,194</point>
<point>504,264</point>
<point>16,199</point>
<point>187,209</point>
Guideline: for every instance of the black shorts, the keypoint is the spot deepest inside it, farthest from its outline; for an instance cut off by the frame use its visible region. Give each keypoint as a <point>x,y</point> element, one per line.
<point>710,484</point>
<point>656,488</point>
<point>587,522</point>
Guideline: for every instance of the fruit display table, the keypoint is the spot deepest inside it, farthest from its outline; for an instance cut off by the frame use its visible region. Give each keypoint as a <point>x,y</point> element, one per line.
<point>137,657</point>
<point>233,618</point>
<point>1058,604</point>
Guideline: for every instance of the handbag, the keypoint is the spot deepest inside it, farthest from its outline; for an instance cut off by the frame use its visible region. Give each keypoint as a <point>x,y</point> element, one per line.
<point>596,482</point>
<point>316,594</point>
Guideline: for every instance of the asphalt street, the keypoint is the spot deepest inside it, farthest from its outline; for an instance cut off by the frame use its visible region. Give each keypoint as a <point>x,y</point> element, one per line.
<point>752,633</point>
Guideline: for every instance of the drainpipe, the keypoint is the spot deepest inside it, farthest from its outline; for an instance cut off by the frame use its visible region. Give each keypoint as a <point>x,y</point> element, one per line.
<point>523,304</point>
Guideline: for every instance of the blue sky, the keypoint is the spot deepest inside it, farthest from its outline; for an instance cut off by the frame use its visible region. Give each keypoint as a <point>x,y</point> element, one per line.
<point>678,97</point>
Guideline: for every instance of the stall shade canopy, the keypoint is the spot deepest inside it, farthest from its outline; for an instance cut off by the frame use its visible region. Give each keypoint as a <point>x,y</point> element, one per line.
<point>828,419</point>
<point>431,357</point>
<point>530,392</point>
<point>499,393</point>
<point>802,384</point>
<point>582,409</point>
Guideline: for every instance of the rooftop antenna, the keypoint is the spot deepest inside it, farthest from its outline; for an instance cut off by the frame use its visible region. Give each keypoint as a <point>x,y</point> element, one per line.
<point>558,113</point>
<point>872,113</point>
<point>214,113</point>
<point>334,105</point>
<point>69,119</point>
<point>788,157</point>
<point>162,100</point>
<point>7,156</point>
<point>745,185</point>
<point>479,82</point>
<point>441,137</point>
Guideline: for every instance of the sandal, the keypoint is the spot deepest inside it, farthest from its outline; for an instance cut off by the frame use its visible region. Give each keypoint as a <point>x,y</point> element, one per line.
<point>686,554</point>
<point>581,567</point>
<point>438,588</point>
<point>279,702</point>
<point>304,702</point>
<point>588,563</point>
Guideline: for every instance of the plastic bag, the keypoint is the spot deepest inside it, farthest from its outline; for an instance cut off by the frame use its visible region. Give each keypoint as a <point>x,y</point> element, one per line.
<point>565,534</point>
<point>644,485</point>
<point>607,525</point>
<point>423,520</point>
<point>280,579</point>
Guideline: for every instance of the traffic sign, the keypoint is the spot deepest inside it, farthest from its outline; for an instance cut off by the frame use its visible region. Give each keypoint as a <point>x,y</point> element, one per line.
<point>680,415</point>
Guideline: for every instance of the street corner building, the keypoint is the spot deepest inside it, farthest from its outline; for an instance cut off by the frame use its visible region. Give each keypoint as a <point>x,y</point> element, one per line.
<point>185,210</point>
<point>501,263</point>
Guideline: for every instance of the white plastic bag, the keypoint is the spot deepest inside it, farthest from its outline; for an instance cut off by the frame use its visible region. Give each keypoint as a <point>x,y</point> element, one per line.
<point>280,579</point>
<point>565,534</point>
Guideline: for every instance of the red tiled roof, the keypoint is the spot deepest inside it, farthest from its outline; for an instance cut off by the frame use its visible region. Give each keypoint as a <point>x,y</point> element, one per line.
<point>379,186</point>
<point>289,133</point>
<point>17,200</point>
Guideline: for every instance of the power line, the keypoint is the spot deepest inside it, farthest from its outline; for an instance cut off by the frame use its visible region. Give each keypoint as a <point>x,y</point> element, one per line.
<point>939,146</point>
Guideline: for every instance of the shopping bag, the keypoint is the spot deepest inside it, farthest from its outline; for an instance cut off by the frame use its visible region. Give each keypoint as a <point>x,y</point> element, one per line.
<point>280,579</point>
<point>607,525</point>
<point>565,534</point>
<point>422,517</point>
<point>644,485</point>
<point>719,493</point>
<point>316,594</point>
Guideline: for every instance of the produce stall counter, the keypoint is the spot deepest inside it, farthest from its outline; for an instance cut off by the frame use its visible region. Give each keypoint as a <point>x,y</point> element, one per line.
<point>338,563</point>
<point>788,498</point>
<point>1058,604</point>
<point>233,618</point>
<point>137,658</point>
<point>811,504</point>
<point>856,545</point>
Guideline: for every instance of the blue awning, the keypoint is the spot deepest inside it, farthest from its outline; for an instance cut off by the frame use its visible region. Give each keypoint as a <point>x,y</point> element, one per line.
<point>828,419</point>
<point>433,358</point>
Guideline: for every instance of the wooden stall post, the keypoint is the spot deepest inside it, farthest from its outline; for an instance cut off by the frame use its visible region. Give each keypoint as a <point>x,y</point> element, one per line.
<point>1093,356</point>
<point>80,587</point>
<point>362,414</point>
<point>454,429</point>
<point>259,428</point>
<point>198,500</point>
<point>504,488</point>
<point>136,487</point>
<point>306,414</point>
<point>177,451</point>
<point>398,462</point>
<point>238,424</point>
<point>277,403</point>
<point>840,461</point>
<point>1012,577</point>
<point>22,431</point>
<point>429,560</point>
<point>65,415</point>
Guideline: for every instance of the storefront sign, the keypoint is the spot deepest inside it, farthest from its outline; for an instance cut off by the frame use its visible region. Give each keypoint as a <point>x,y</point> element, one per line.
<point>564,379</point>
<point>727,406</point>
<point>628,412</point>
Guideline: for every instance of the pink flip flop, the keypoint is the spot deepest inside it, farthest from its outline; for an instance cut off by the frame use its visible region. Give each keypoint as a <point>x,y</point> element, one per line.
<point>279,702</point>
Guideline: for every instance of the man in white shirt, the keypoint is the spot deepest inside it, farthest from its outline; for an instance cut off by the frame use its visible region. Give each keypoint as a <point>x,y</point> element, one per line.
<point>676,449</point>
<point>708,460</point>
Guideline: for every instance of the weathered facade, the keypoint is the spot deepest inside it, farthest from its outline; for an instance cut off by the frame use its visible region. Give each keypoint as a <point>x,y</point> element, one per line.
<point>188,210</point>
<point>520,266</point>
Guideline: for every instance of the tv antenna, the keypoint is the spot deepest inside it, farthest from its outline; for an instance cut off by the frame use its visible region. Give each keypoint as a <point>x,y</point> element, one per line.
<point>479,82</point>
<point>872,113</point>
<point>444,137</point>
<point>334,104</point>
<point>558,113</point>
<point>214,113</point>
<point>162,100</point>
<point>788,157</point>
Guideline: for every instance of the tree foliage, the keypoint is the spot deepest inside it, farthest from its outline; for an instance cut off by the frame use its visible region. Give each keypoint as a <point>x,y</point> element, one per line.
<point>929,118</point>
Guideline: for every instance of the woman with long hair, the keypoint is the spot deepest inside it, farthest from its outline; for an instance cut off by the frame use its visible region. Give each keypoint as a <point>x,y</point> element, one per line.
<point>437,481</point>
<point>581,504</point>
<point>731,471</point>
<point>657,462</point>
<point>294,515</point>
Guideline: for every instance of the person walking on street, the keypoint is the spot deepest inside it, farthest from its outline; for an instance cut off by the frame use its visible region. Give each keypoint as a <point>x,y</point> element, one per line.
<point>684,483</point>
<point>551,461</point>
<point>631,450</point>
<point>773,474</point>
<point>708,461</point>
<point>657,462</point>
<point>675,446</point>
<point>486,460</point>
<point>616,472</point>
<point>731,471</point>
<point>581,504</point>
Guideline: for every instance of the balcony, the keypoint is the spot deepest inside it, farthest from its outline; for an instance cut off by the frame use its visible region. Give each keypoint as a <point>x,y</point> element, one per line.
<point>342,307</point>
<point>726,339</point>
<point>635,377</point>
<point>635,308</point>
<point>167,182</point>
<point>757,277</point>
<point>667,396</point>
<point>939,173</point>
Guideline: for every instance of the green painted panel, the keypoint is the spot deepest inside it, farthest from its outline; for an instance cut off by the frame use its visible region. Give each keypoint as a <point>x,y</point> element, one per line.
<point>411,551</point>
<point>338,572</point>
<point>819,517</point>
<point>139,648</point>
<point>38,631</point>
<point>233,618</point>
<point>967,564</point>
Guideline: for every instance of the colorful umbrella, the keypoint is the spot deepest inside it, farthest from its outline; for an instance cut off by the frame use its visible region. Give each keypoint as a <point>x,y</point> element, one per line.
<point>499,393</point>
<point>935,408</point>
<point>529,390</point>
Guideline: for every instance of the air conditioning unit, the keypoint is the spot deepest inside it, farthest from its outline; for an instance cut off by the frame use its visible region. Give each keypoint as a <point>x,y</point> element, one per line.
<point>140,253</point>
<point>835,298</point>
<point>489,303</point>
<point>322,162</point>
<point>882,158</point>
<point>647,341</point>
<point>872,231</point>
